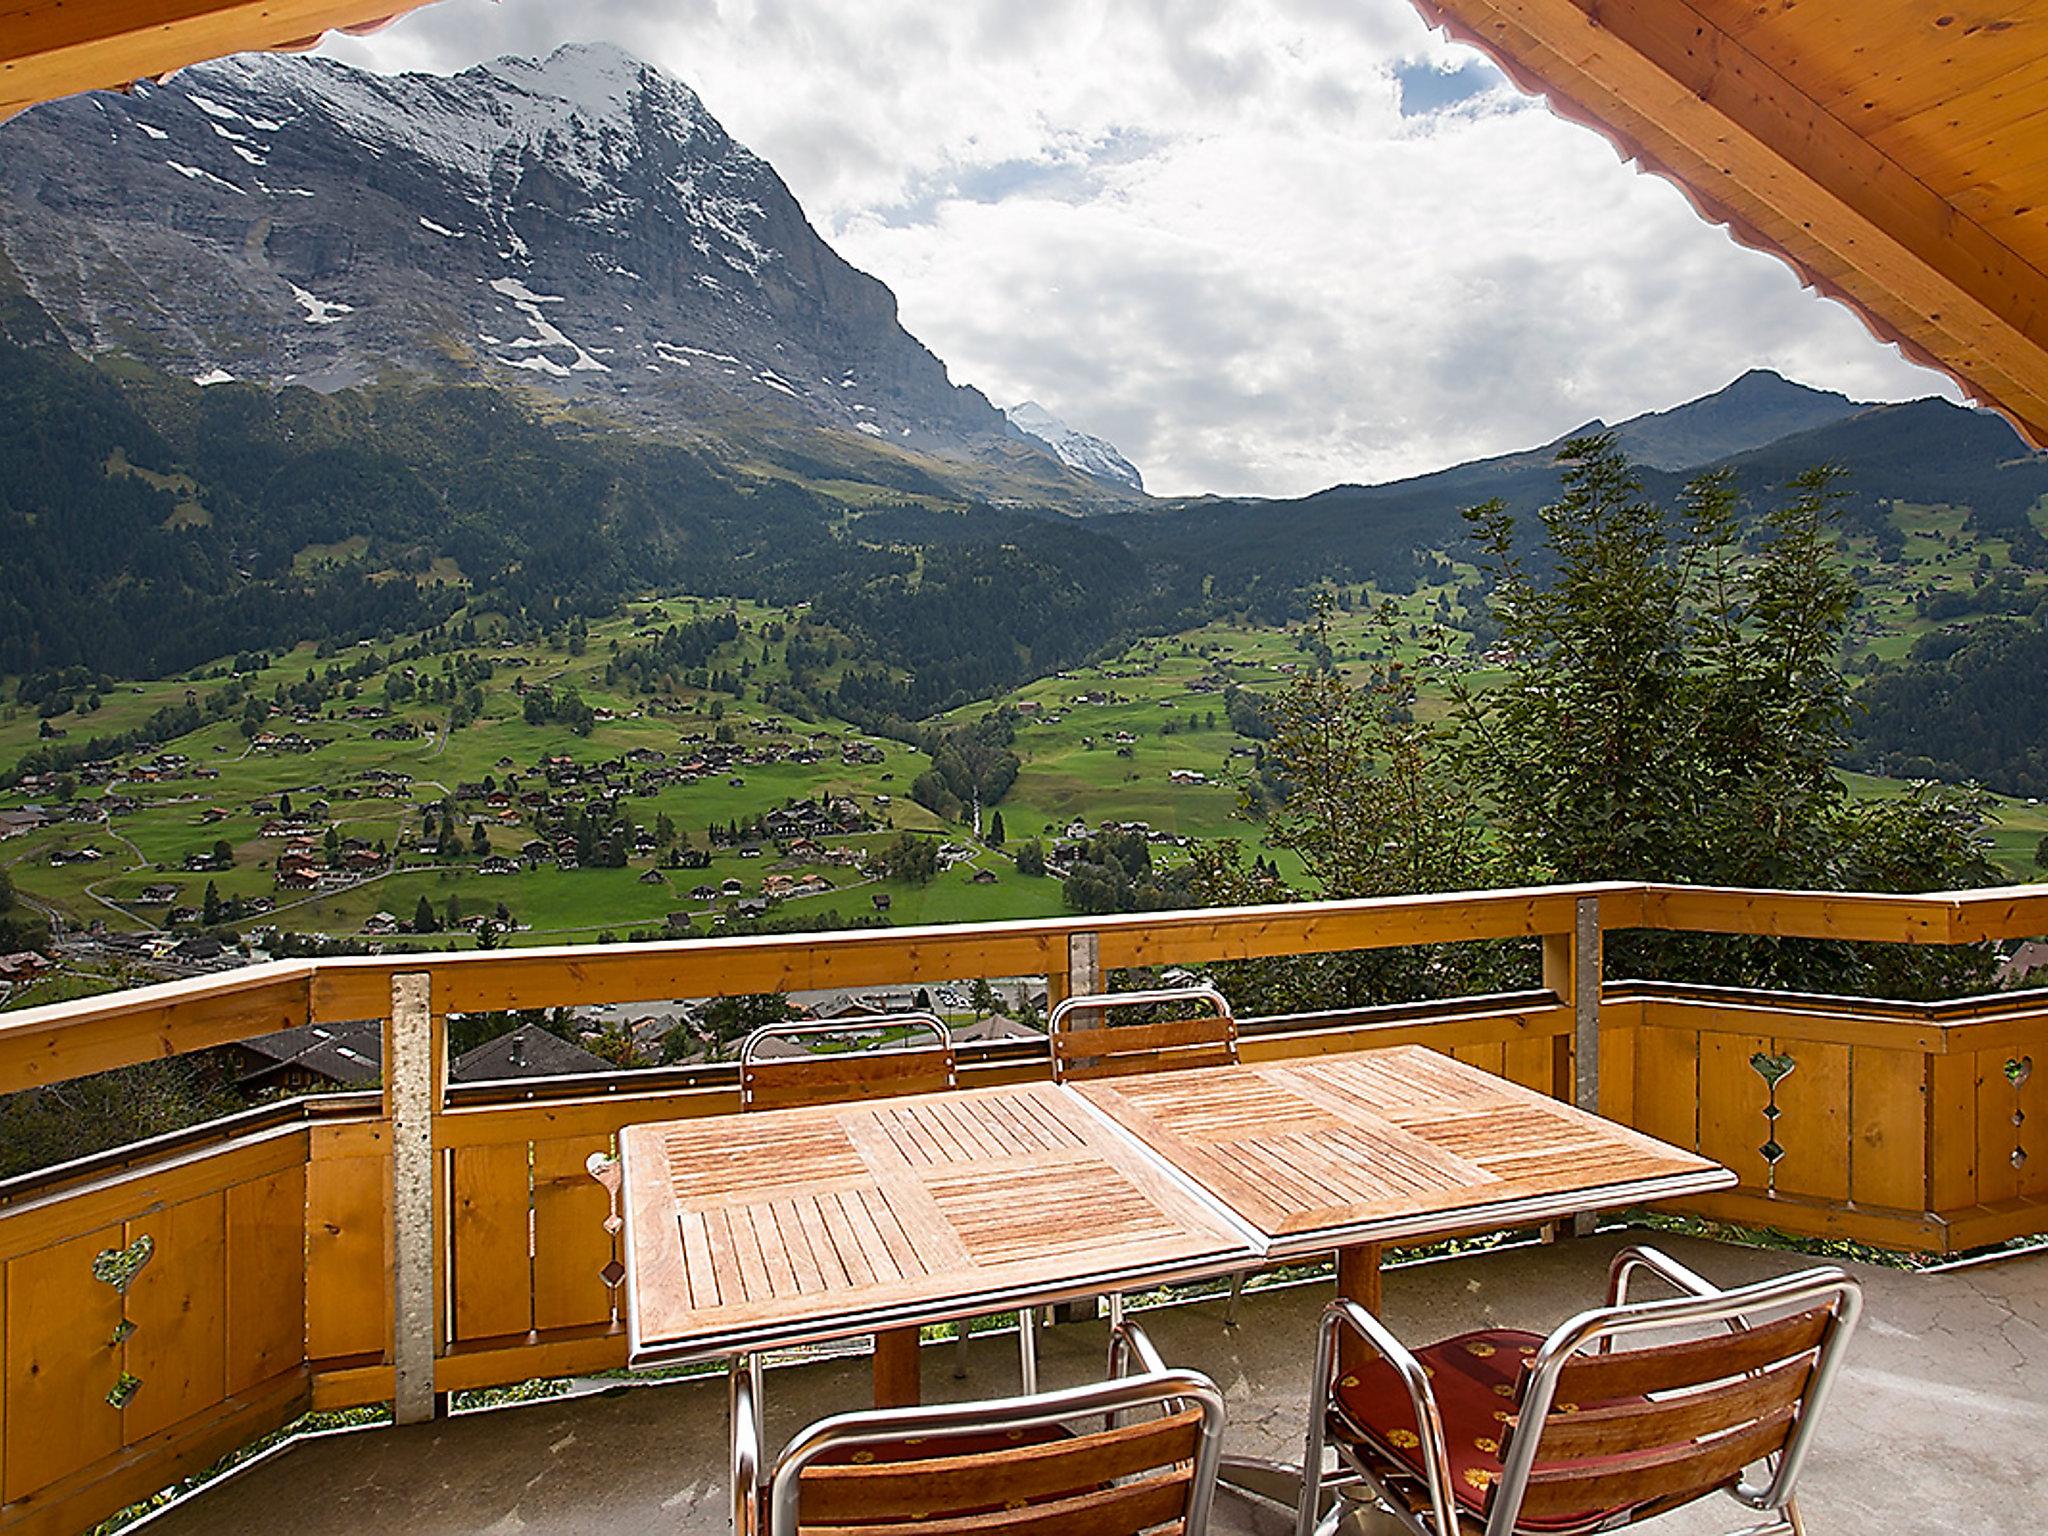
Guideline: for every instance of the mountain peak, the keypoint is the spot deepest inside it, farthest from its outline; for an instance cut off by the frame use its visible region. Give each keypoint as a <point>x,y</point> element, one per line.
<point>577,224</point>
<point>1077,450</point>
<point>1756,408</point>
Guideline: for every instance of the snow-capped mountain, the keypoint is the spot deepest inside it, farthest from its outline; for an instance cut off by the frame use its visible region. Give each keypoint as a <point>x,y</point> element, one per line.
<point>1076,450</point>
<point>580,225</point>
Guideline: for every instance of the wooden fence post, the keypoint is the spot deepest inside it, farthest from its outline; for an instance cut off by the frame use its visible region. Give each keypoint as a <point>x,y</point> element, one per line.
<point>413,1067</point>
<point>1573,968</point>
<point>1084,975</point>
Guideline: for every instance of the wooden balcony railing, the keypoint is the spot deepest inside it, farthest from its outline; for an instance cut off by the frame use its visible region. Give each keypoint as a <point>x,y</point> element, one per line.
<point>167,1302</point>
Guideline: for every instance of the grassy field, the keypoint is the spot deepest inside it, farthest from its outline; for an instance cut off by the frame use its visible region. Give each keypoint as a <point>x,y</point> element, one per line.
<point>1119,739</point>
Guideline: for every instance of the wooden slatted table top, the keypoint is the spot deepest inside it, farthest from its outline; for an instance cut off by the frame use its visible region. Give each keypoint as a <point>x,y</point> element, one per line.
<point>1386,1145</point>
<point>795,1225</point>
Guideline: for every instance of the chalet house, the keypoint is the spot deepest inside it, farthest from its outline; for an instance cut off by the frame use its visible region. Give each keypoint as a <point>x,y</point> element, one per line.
<point>528,1051</point>
<point>310,1058</point>
<point>26,818</point>
<point>158,895</point>
<point>2027,961</point>
<point>498,864</point>
<point>23,965</point>
<point>181,917</point>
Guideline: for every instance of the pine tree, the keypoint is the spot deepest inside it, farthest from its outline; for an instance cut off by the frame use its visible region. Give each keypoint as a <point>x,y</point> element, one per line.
<point>995,830</point>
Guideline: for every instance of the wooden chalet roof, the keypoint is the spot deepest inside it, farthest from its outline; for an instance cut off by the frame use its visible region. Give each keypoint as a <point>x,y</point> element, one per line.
<point>52,48</point>
<point>1893,152</point>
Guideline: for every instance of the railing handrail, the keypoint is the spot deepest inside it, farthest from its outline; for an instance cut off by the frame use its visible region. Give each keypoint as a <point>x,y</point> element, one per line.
<point>58,1041</point>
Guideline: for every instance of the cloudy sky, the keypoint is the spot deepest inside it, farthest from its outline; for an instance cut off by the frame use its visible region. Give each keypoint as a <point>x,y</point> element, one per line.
<point>1261,245</point>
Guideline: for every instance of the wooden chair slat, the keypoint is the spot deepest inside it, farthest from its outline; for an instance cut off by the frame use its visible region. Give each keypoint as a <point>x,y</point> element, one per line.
<point>1670,1475</point>
<point>1154,1504</point>
<point>838,1492</point>
<point>1131,1063</point>
<point>856,1075</point>
<point>1674,1421</point>
<point>1097,1050</point>
<point>1111,1039</point>
<point>1690,1362</point>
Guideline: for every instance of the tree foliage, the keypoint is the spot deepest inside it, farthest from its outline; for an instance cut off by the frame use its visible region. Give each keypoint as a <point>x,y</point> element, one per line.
<point>1675,708</point>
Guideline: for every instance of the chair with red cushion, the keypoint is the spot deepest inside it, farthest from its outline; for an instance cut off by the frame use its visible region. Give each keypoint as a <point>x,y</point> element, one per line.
<point>1135,1455</point>
<point>1503,1433</point>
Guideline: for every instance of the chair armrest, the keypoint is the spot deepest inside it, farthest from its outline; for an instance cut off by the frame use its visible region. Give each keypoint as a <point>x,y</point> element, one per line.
<point>746,1450</point>
<point>1343,1314</point>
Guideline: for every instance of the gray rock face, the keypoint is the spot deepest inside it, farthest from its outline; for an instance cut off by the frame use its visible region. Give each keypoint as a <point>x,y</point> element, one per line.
<point>580,225</point>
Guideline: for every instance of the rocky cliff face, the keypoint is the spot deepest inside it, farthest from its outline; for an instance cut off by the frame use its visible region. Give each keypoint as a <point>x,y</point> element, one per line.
<point>580,225</point>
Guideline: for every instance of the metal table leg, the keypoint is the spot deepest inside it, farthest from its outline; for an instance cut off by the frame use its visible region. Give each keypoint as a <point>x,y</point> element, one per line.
<point>1279,1483</point>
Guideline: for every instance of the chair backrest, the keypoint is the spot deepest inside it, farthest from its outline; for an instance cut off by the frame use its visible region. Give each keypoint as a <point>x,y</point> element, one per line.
<point>1628,1433</point>
<point>1119,1458</point>
<point>1086,1044</point>
<point>915,1055</point>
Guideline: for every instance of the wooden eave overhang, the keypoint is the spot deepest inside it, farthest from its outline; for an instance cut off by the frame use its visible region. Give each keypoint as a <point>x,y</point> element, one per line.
<point>1893,152</point>
<point>52,48</point>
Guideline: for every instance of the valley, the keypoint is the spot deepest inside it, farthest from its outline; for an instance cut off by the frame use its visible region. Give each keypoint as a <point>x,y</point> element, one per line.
<point>549,538</point>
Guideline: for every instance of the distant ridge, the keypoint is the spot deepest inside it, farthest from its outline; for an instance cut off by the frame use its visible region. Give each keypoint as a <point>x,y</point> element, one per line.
<point>1757,409</point>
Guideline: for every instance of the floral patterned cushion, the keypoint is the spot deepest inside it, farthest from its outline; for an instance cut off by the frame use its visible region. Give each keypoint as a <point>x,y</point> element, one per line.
<point>1477,1378</point>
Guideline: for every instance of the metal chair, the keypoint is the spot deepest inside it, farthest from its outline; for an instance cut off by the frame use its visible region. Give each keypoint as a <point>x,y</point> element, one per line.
<point>1082,1050</point>
<point>1084,1045</point>
<point>812,1077</point>
<point>1506,1433</point>
<point>1136,1453</point>
<point>785,1082</point>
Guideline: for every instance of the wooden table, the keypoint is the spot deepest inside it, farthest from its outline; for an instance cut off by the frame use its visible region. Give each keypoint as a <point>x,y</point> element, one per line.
<point>1392,1145</point>
<point>1350,1152</point>
<point>793,1226</point>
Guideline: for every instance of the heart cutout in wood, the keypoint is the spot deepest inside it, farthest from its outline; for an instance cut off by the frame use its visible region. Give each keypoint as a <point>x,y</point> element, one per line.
<point>2018,1071</point>
<point>118,1267</point>
<point>1772,1069</point>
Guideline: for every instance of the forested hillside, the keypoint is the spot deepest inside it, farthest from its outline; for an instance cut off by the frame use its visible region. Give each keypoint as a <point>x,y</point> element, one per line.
<point>1971,705</point>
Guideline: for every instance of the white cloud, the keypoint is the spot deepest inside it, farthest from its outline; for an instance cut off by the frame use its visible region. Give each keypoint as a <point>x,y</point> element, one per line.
<point>1208,232</point>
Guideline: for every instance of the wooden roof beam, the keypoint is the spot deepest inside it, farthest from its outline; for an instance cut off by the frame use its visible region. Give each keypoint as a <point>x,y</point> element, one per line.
<point>53,48</point>
<point>1687,98</point>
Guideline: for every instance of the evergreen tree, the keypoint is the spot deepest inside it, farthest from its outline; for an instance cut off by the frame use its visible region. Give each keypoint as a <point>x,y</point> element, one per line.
<point>995,830</point>
<point>1675,711</point>
<point>423,919</point>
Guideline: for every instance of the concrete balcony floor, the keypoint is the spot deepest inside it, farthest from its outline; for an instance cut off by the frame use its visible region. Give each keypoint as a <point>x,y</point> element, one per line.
<point>1938,1423</point>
